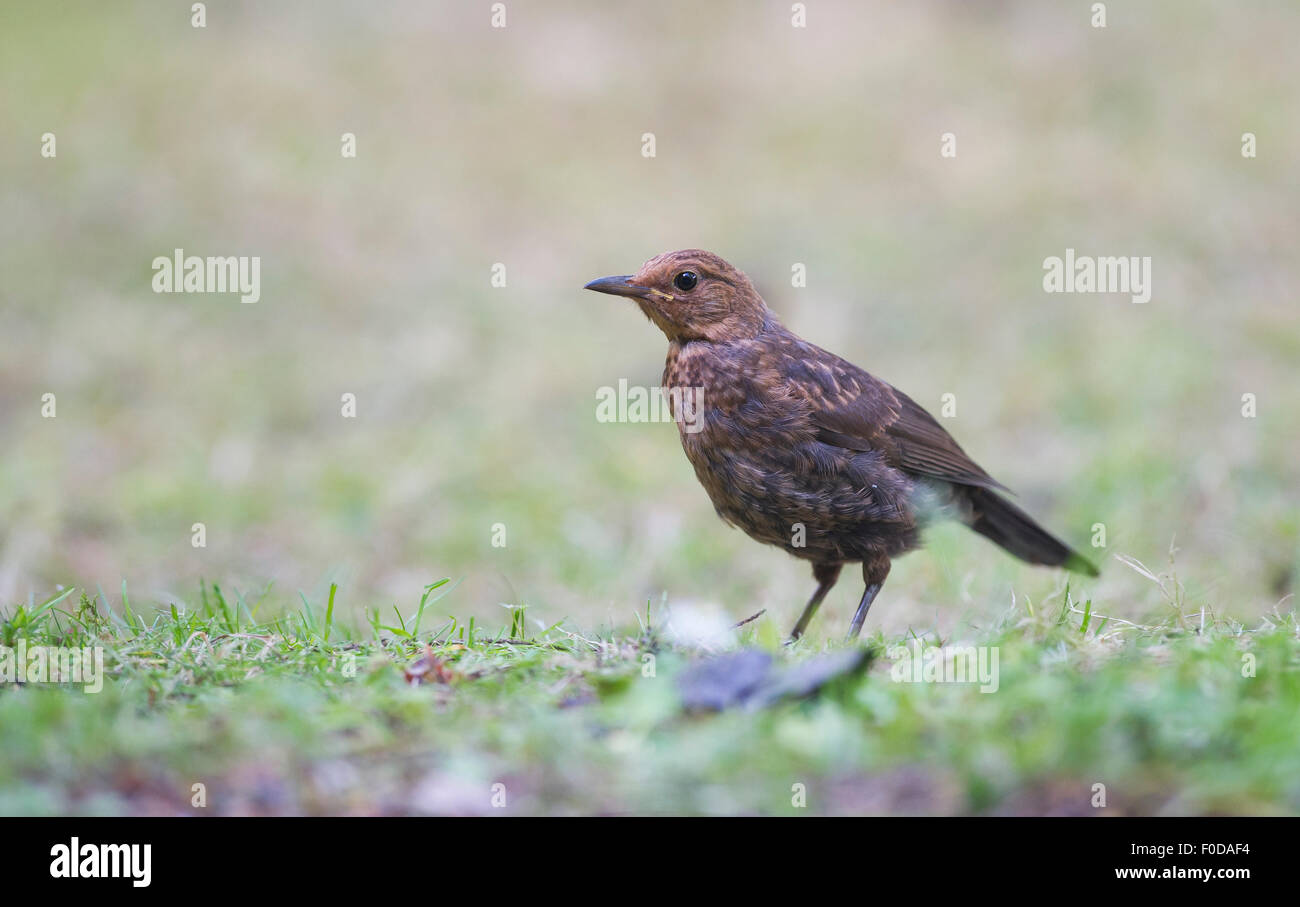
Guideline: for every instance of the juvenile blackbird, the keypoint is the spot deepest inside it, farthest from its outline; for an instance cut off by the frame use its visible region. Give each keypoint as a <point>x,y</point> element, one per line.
<point>804,450</point>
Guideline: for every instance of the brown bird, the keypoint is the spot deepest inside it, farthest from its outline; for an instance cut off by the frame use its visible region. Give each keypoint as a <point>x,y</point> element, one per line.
<point>804,450</point>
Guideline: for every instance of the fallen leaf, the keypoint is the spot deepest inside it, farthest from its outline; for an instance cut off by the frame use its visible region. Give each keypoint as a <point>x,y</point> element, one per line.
<point>428,668</point>
<point>753,679</point>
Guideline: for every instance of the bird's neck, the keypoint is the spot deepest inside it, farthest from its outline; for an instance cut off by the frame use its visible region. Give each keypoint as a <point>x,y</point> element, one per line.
<point>736,326</point>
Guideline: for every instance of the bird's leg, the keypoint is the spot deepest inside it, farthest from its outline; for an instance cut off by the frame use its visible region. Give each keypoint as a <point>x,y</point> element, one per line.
<point>826,575</point>
<point>873,574</point>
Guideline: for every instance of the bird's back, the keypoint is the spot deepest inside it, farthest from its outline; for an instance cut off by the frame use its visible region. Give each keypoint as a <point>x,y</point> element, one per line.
<point>758,453</point>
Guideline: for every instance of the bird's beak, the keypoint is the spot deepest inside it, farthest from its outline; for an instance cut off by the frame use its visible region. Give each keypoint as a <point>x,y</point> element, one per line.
<point>619,286</point>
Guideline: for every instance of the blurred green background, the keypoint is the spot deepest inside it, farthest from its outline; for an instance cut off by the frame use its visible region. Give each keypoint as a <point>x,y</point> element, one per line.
<point>522,145</point>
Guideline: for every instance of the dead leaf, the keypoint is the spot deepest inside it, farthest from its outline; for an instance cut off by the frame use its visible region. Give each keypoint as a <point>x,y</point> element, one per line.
<point>428,668</point>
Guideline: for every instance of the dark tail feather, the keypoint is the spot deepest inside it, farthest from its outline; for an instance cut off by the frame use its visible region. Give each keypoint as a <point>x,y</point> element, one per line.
<point>1007,525</point>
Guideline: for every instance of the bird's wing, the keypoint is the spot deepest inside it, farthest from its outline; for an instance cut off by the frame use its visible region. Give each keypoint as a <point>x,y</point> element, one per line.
<point>851,409</point>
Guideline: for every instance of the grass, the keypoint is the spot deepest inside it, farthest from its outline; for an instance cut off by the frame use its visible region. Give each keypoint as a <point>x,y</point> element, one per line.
<point>301,713</point>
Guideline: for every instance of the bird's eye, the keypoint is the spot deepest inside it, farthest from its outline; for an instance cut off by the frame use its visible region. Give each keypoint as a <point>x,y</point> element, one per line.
<point>685,281</point>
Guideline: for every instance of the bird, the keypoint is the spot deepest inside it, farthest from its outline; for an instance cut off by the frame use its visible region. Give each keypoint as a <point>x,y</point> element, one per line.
<point>804,450</point>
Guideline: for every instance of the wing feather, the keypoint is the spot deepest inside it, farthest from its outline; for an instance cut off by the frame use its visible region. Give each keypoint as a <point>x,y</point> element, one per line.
<point>856,411</point>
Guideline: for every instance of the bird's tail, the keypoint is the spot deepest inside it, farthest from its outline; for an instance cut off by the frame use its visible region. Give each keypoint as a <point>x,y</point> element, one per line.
<point>996,518</point>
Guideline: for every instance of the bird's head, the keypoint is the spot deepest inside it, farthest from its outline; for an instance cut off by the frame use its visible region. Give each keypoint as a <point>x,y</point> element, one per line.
<point>692,295</point>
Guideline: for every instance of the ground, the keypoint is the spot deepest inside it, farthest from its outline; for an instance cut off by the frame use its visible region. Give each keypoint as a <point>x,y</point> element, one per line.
<point>303,715</point>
